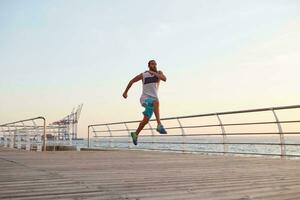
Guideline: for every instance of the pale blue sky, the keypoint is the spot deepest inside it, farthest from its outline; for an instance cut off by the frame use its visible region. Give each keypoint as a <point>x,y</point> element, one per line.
<point>217,55</point>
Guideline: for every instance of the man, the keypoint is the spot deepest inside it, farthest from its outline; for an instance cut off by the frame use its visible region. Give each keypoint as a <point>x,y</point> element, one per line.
<point>149,98</point>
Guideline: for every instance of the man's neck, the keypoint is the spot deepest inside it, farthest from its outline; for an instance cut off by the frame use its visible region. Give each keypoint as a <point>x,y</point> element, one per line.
<point>152,70</point>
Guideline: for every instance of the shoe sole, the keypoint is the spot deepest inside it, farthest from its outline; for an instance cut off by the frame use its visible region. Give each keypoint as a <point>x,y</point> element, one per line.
<point>162,132</point>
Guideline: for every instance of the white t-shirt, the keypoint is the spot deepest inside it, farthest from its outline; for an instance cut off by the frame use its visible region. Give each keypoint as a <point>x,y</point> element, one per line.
<point>150,86</point>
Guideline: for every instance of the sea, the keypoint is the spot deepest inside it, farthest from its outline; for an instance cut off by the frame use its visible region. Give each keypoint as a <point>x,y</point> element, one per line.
<point>212,145</point>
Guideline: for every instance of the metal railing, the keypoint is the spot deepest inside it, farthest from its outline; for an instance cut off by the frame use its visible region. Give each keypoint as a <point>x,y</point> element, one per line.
<point>107,134</point>
<point>27,132</point>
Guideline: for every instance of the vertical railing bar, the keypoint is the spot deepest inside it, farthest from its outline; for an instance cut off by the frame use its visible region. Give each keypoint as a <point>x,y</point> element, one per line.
<point>44,133</point>
<point>152,135</point>
<point>281,135</point>
<point>6,136</point>
<point>182,133</point>
<point>70,129</point>
<point>36,134</point>
<point>95,134</point>
<point>28,136</point>
<point>9,136</point>
<point>129,136</point>
<point>24,134</point>
<point>224,139</point>
<point>3,135</point>
<point>21,134</point>
<point>15,136</point>
<point>56,136</point>
<point>110,135</point>
<point>88,136</point>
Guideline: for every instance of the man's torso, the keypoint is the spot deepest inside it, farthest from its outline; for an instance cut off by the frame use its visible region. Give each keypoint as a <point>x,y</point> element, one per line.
<point>150,85</point>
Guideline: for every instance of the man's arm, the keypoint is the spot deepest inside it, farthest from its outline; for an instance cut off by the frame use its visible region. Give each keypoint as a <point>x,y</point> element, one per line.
<point>135,79</point>
<point>160,75</point>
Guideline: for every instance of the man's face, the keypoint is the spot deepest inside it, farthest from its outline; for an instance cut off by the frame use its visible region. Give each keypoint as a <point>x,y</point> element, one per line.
<point>152,66</point>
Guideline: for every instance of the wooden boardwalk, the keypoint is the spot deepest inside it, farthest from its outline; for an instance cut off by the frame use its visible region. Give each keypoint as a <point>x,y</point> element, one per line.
<point>145,175</point>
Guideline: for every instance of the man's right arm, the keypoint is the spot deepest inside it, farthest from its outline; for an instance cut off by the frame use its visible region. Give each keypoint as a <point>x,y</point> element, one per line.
<point>131,82</point>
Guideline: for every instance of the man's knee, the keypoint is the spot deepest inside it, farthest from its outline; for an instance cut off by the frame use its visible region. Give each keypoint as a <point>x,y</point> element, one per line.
<point>155,103</point>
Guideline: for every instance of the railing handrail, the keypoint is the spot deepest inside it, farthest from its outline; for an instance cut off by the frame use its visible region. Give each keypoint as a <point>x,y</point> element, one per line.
<point>24,120</point>
<point>205,115</point>
<point>219,124</point>
<point>31,119</point>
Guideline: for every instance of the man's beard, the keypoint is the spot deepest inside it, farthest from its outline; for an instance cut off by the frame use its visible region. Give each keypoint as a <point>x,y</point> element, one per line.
<point>153,69</point>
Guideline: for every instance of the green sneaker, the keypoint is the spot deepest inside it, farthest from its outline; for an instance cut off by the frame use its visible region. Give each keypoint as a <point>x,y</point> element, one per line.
<point>160,128</point>
<point>134,138</point>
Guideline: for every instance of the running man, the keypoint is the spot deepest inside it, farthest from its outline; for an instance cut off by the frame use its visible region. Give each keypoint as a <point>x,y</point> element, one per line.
<point>149,98</point>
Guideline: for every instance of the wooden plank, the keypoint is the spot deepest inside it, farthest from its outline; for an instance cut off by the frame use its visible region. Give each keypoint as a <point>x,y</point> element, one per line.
<point>145,175</point>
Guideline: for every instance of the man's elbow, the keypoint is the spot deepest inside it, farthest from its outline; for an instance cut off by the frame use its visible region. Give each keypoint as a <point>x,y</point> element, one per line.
<point>132,81</point>
<point>129,84</point>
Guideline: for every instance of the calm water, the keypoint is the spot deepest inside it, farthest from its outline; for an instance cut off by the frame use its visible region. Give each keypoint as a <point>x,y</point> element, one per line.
<point>178,143</point>
<point>163,143</point>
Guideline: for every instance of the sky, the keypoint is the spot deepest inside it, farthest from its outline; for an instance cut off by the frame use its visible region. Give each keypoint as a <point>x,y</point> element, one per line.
<point>217,56</point>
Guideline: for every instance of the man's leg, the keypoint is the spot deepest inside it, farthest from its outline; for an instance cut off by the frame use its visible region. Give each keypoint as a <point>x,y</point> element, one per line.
<point>142,125</point>
<point>160,127</point>
<point>135,134</point>
<point>156,111</point>
<point>147,103</point>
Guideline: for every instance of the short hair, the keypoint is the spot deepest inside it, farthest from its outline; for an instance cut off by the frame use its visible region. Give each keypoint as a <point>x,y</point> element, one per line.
<point>150,62</point>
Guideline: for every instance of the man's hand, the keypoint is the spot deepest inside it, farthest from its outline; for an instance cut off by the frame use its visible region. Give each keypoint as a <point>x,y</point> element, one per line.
<point>152,72</point>
<point>159,75</point>
<point>125,95</point>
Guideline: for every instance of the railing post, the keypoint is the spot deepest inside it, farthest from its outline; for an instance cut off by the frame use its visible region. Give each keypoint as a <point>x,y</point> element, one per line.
<point>7,136</point>
<point>224,139</point>
<point>27,143</point>
<point>152,135</point>
<point>15,137</point>
<point>44,134</point>
<point>95,134</point>
<point>56,138</point>
<point>3,135</point>
<point>281,135</point>
<point>71,131</point>
<point>182,134</point>
<point>88,137</point>
<point>11,138</point>
<point>129,136</point>
<point>110,135</point>
<point>23,136</point>
<point>37,135</point>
